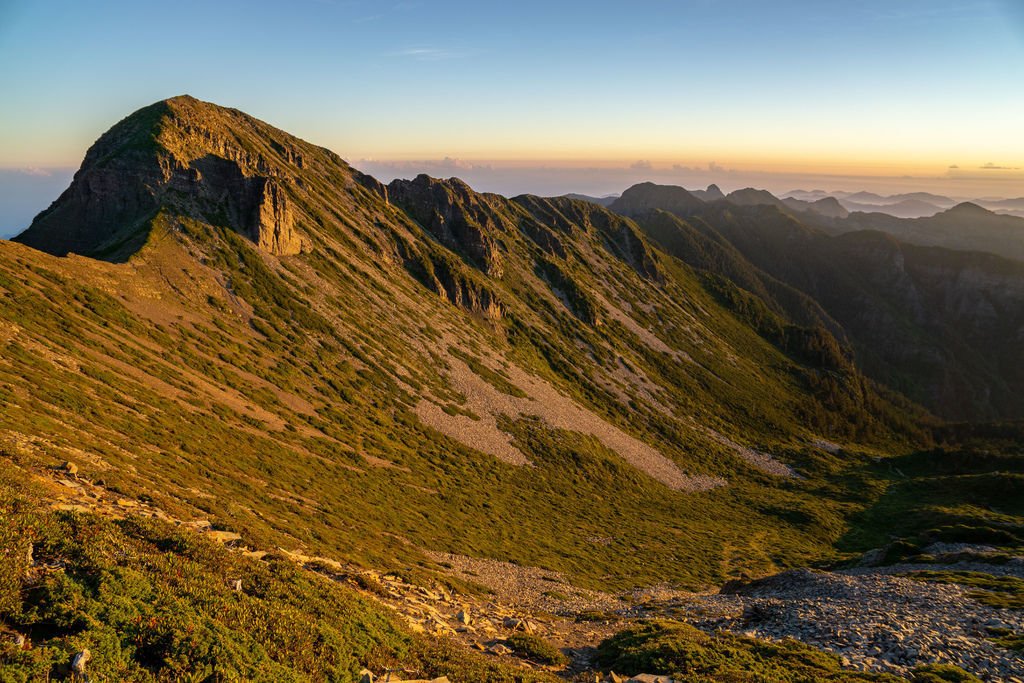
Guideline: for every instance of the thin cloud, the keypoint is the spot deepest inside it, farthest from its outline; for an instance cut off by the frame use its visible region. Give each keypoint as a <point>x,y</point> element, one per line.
<point>35,171</point>
<point>434,167</point>
<point>994,167</point>
<point>641,165</point>
<point>428,54</point>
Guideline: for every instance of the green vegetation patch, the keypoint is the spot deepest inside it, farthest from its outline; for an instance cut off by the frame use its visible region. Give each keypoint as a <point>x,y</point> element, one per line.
<point>153,602</point>
<point>995,591</point>
<point>536,649</point>
<point>1008,638</point>
<point>686,653</point>
<point>942,673</point>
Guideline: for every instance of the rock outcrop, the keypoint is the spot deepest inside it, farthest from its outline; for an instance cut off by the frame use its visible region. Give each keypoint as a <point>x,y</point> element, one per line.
<point>178,155</point>
<point>450,211</point>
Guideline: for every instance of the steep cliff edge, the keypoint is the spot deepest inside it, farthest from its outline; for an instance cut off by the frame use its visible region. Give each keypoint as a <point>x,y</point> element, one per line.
<point>184,155</point>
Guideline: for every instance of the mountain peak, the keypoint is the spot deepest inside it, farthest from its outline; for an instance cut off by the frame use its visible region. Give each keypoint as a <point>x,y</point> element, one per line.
<point>711,194</point>
<point>189,157</point>
<point>644,197</point>
<point>750,196</point>
<point>969,209</point>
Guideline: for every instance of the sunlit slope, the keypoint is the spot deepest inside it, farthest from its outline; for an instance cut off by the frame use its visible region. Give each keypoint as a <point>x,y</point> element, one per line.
<point>260,335</point>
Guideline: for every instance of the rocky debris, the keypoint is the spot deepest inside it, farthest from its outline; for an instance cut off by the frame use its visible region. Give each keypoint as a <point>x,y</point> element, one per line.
<point>200,524</point>
<point>544,400</point>
<point>875,619</point>
<point>235,585</point>
<point>827,446</point>
<point>515,624</point>
<point>70,467</point>
<point>613,677</point>
<point>463,617</point>
<point>366,676</point>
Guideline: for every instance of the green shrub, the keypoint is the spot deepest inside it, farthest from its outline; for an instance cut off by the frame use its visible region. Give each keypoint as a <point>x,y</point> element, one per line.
<point>684,652</point>
<point>942,673</point>
<point>536,649</point>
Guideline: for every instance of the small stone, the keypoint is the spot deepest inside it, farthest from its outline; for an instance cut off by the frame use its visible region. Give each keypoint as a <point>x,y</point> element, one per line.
<point>516,624</point>
<point>70,467</point>
<point>366,676</point>
<point>80,660</point>
<point>463,617</point>
<point>224,536</point>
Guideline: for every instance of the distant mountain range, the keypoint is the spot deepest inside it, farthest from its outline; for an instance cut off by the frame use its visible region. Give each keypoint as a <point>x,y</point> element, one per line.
<point>943,326</point>
<point>907,205</point>
<point>918,218</point>
<point>839,204</point>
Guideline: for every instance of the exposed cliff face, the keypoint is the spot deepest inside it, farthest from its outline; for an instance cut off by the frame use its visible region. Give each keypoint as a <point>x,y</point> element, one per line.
<point>454,214</point>
<point>179,155</point>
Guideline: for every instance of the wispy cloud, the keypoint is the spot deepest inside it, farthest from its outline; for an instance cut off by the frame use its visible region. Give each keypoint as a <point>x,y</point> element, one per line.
<point>429,54</point>
<point>995,167</point>
<point>36,171</point>
<point>435,167</point>
<point>712,167</point>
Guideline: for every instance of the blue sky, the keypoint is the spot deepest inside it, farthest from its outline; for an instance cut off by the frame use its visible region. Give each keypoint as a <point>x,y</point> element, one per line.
<point>886,89</point>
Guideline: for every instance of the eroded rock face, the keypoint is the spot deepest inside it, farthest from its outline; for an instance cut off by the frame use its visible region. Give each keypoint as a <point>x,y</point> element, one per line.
<point>452,213</point>
<point>178,155</point>
<point>273,228</point>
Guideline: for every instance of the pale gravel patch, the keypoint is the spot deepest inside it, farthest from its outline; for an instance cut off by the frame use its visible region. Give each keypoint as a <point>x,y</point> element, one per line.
<point>482,435</point>
<point>827,446</point>
<point>557,410</point>
<point>877,620</point>
<point>525,587</point>
<point>634,377</point>
<point>761,461</point>
<point>646,336</point>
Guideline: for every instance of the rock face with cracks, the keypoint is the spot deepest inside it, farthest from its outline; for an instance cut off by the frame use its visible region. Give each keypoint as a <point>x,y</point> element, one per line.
<point>171,152</point>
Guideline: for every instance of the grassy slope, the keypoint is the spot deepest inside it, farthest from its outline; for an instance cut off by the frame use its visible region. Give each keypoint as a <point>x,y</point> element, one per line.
<point>264,392</point>
<point>153,602</point>
<point>297,415</point>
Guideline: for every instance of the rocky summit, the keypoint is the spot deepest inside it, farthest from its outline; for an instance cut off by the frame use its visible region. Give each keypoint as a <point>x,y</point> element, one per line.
<point>268,418</point>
